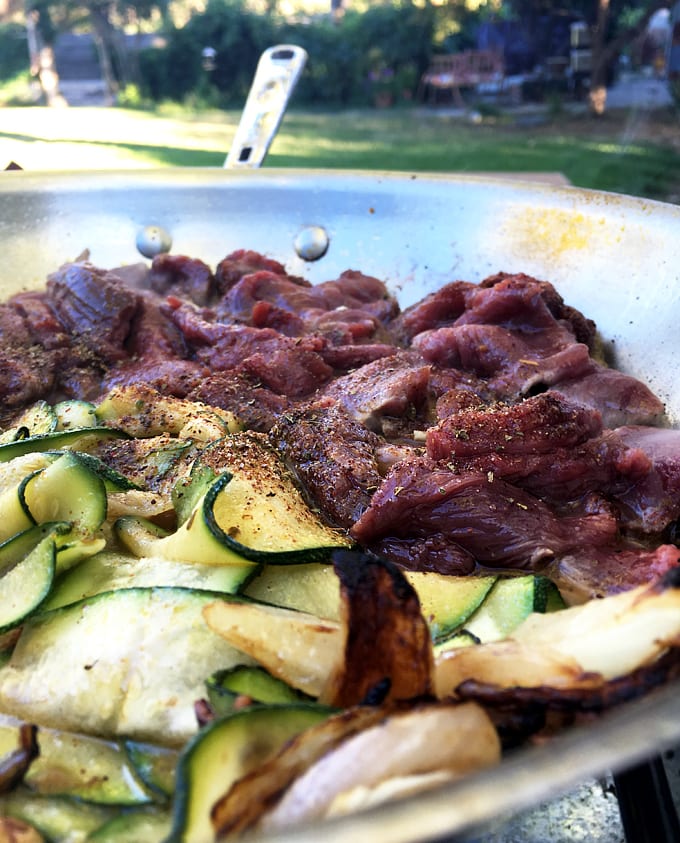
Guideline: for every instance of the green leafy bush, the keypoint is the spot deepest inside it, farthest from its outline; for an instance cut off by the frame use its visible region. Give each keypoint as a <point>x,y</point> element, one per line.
<point>177,71</point>
<point>343,55</point>
<point>13,50</point>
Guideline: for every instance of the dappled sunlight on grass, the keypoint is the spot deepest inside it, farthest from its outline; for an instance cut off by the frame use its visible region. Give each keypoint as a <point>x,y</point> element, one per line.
<point>315,146</point>
<point>606,155</point>
<point>618,149</point>
<point>37,155</point>
<point>42,155</point>
<point>93,138</point>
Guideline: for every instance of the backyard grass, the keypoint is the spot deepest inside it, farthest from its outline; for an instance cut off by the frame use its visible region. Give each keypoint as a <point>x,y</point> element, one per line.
<point>627,152</point>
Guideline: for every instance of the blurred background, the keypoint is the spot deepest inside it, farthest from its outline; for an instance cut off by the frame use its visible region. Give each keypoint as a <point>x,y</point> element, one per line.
<point>582,91</point>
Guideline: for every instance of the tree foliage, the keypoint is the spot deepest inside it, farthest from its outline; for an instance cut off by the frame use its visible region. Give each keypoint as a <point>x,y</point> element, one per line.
<point>613,24</point>
<point>343,55</point>
<point>13,50</point>
<point>387,43</point>
<point>238,38</point>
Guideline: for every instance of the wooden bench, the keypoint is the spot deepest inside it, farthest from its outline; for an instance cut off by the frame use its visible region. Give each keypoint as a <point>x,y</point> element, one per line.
<point>468,69</point>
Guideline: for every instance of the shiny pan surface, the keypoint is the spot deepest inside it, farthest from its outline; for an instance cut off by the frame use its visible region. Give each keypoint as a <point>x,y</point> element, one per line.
<point>615,258</point>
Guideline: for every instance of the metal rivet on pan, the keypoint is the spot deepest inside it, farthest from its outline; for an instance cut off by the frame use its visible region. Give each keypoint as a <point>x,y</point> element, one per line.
<point>153,240</point>
<point>311,243</point>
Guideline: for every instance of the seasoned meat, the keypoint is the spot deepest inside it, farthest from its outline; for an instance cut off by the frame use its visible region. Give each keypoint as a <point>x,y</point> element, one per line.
<point>158,354</point>
<point>353,289</point>
<point>478,428</point>
<point>188,278</point>
<point>513,364</point>
<point>436,310</point>
<point>255,406</point>
<point>346,357</point>
<point>435,552</point>
<point>498,524</point>
<point>653,502</point>
<point>390,386</point>
<point>96,307</point>
<point>39,323</point>
<point>333,456</point>
<point>583,328</point>
<point>26,368</point>
<point>589,572</point>
<point>170,377</point>
<point>552,449</point>
<point>516,334</point>
<point>287,366</point>
<point>537,425</point>
<point>619,398</point>
<point>24,378</point>
<point>242,262</point>
<point>14,328</point>
<point>348,310</point>
<point>273,288</point>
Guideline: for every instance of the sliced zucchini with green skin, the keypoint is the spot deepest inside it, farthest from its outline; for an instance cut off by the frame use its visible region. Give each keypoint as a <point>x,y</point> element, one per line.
<point>24,586</point>
<point>130,662</point>
<point>152,463</point>
<point>163,460</point>
<point>60,501</point>
<point>113,480</point>
<point>507,604</point>
<point>447,602</point>
<point>150,825</point>
<point>554,601</point>
<point>142,411</point>
<point>155,765</point>
<point>223,752</point>
<point>14,517</point>
<point>21,544</point>
<point>309,587</point>
<point>76,440</point>
<point>14,471</point>
<point>191,543</point>
<point>85,767</point>
<point>38,419</point>
<point>74,413</point>
<point>67,490</point>
<point>188,493</point>
<point>252,510</point>
<point>256,683</point>
<point>72,549</point>
<point>111,570</point>
<point>463,638</point>
<point>57,818</point>
<point>256,509</point>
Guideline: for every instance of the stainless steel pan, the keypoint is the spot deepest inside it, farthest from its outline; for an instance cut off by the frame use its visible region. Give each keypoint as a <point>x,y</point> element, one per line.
<point>615,258</point>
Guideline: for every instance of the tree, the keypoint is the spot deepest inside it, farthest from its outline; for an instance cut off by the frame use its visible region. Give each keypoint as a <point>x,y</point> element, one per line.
<point>613,24</point>
<point>106,18</point>
<point>613,27</point>
<point>40,35</point>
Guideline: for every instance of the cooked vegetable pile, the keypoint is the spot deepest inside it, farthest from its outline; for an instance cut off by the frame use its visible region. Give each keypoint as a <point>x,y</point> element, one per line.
<point>190,651</point>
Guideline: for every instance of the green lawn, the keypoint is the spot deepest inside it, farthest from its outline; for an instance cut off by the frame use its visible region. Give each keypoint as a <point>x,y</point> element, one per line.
<point>615,153</point>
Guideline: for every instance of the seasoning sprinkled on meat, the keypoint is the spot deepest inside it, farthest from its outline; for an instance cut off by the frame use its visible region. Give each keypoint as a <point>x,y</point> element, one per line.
<point>394,386</point>
<point>333,456</point>
<point>242,262</point>
<point>478,428</point>
<point>497,523</point>
<point>96,307</point>
<point>189,278</point>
